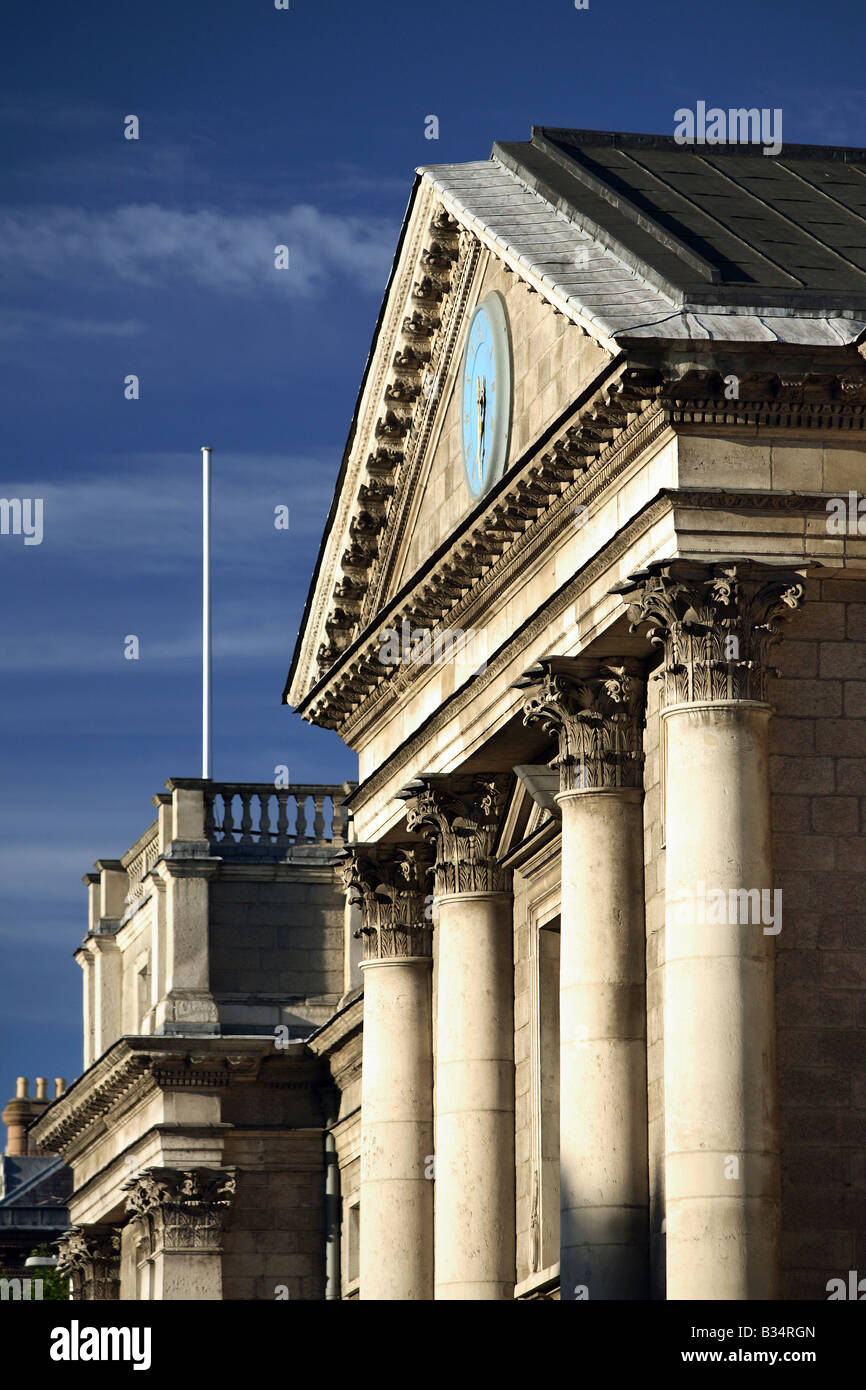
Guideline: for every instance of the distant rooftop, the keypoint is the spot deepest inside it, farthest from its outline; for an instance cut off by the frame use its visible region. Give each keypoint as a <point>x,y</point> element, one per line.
<point>717,224</point>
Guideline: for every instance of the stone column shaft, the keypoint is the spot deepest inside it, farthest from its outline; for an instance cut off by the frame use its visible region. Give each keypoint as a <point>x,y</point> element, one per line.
<point>721,1139</point>
<point>595,711</point>
<point>474,1243</point>
<point>715,626</point>
<point>474,1101</point>
<point>396,1237</point>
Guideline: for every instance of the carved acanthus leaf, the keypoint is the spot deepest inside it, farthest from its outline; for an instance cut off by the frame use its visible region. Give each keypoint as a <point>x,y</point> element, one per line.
<point>596,716</point>
<point>389,884</point>
<point>462,823</point>
<point>716,624</point>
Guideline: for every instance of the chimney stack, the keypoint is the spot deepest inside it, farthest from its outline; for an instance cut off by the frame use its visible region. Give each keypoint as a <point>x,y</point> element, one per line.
<point>23,1109</point>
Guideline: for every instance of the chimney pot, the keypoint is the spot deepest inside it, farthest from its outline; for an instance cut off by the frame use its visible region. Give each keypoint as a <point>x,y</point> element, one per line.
<point>59,1086</point>
<point>21,1089</point>
<point>41,1087</point>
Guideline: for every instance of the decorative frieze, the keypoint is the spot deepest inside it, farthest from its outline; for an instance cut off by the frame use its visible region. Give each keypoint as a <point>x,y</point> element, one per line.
<point>461,819</point>
<point>180,1209</point>
<point>390,884</point>
<point>715,623</point>
<point>595,710</point>
<point>90,1257</point>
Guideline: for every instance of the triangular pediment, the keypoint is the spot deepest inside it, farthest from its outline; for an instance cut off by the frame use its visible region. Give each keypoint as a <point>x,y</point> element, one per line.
<point>403,490</point>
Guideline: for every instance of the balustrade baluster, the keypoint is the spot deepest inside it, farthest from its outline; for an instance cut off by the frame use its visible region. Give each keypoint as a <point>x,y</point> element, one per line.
<point>319,818</point>
<point>301,826</point>
<point>209,826</point>
<point>265,835</point>
<point>282,816</point>
<point>336,820</point>
<point>246,817</point>
<point>228,819</point>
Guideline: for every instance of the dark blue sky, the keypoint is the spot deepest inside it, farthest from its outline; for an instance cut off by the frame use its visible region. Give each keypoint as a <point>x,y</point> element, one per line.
<point>257,127</point>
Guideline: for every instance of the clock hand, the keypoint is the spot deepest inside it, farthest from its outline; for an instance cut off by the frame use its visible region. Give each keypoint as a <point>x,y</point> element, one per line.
<point>482,419</point>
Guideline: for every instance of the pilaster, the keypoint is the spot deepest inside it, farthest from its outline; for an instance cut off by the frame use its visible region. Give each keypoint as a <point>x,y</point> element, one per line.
<point>177,1216</point>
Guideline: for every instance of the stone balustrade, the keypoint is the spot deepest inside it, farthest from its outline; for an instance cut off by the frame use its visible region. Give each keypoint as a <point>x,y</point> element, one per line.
<point>245,820</point>
<point>260,814</point>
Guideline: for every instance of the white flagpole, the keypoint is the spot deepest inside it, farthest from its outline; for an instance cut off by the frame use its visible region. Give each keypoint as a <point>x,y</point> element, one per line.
<point>205,615</point>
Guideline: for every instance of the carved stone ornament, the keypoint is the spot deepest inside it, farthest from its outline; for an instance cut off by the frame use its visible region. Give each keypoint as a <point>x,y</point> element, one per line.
<point>90,1257</point>
<point>460,818</point>
<point>180,1208</point>
<point>597,715</point>
<point>390,884</point>
<point>716,624</point>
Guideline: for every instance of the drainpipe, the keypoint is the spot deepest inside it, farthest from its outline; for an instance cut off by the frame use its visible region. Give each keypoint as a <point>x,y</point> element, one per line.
<point>332,1218</point>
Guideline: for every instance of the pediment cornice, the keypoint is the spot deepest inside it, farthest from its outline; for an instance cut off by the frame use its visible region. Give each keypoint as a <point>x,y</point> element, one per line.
<point>631,407</point>
<point>393,421</point>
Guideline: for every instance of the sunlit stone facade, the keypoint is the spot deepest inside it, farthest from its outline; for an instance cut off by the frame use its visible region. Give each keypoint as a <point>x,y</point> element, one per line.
<point>589,1020</point>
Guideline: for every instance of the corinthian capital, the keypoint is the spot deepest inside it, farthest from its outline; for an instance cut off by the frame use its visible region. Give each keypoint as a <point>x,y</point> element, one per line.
<point>715,623</point>
<point>90,1257</point>
<point>460,817</point>
<point>389,883</point>
<point>595,710</point>
<point>180,1208</point>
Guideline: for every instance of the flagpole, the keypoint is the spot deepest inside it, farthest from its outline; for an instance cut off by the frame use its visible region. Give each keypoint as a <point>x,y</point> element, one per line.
<point>205,615</point>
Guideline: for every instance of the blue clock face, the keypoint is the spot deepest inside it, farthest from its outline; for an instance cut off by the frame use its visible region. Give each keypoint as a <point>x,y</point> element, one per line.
<point>486,396</point>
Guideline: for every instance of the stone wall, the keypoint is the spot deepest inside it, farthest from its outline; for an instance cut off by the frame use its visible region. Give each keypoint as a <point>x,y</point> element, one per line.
<point>818,769</point>
<point>273,1243</point>
<point>283,936</point>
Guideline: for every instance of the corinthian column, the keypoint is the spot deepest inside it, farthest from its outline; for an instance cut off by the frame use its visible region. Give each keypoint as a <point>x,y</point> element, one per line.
<point>177,1215</point>
<point>474,1114</point>
<point>714,625</point>
<point>595,710</point>
<point>396,1247</point>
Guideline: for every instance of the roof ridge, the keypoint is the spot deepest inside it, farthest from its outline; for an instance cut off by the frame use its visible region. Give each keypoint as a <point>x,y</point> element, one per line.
<point>615,138</point>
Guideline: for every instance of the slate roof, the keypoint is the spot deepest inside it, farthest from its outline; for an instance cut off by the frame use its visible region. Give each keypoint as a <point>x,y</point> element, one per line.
<point>679,241</point>
<point>36,1180</point>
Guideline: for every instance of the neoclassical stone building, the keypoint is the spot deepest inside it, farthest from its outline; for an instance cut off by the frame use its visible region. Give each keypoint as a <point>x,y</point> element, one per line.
<point>198,1133</point>
<point>590,607</point>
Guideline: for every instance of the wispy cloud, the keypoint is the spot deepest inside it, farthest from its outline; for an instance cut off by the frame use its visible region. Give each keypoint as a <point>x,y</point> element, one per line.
<point>150,244</point>
<point>23,865</point>
<point>142,512</point>
<point>235,639</point>
<point>141,523</point>
<point>23,322</point>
